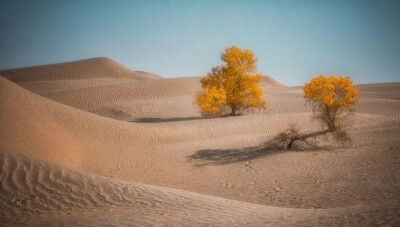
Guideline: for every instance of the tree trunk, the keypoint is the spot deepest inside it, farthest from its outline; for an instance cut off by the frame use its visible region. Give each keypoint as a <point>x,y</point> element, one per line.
<point>233,112</point>
<point>303,137</point>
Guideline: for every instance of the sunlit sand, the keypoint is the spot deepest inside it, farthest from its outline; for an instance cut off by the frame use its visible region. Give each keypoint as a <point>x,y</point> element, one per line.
<point>91,142</point>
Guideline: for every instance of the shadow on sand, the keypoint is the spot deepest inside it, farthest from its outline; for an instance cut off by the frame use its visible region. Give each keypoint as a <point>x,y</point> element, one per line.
<point>222,157</point>
<point>157,120</point>
<point>227,156</point>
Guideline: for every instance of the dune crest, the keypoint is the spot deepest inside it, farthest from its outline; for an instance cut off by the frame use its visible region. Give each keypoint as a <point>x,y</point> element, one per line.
<point>83,69</point>
<point>268,81</point>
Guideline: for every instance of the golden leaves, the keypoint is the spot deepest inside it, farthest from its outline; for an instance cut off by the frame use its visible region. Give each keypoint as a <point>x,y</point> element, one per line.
<point>212,100</point>
<point>329,96</point>
<point>232,85</point>
<point>336,92</point>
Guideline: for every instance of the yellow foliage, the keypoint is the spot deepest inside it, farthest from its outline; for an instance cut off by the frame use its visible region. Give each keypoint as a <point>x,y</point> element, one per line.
<point>330,95</point>
<point>335,92</point>
<point>212,100</point>
<point>233,86</point>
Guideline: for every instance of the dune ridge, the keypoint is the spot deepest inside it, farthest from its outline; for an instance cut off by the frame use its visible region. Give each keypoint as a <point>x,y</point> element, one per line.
<point>82,69</point>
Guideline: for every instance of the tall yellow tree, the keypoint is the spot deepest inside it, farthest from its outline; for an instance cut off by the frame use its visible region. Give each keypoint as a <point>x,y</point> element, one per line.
<point>232,88</point>
<point>329,97</point>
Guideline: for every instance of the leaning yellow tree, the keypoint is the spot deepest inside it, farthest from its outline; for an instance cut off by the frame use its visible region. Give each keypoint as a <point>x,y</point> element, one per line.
<point>329,97</point>
<point>232,88</point>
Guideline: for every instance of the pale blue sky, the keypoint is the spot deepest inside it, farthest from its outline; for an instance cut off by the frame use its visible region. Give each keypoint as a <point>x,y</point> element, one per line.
<point>293,40</point>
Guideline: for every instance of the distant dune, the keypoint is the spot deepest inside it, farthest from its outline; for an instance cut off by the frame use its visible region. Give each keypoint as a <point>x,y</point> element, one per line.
<point>79,139</point>
<point>83,69</point>
<point>271,82</point>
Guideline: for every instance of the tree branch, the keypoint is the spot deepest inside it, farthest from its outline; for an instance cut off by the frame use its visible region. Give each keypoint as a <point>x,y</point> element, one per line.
<point>304,137</point>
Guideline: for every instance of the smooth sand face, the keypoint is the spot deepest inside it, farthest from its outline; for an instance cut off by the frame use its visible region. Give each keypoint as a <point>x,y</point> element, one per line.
<point>80,147</point>
<point>93,68</point>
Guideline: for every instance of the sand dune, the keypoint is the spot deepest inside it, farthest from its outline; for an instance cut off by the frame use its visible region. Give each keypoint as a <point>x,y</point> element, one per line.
<point>83,69</point>
<point>125,98</point>
<point>40,193</point>
<point>66,129</point>
<point>162,99</point>
<point>106,127</point>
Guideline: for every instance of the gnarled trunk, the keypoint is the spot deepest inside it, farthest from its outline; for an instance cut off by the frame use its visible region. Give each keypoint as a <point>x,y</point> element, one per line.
<point>303,137</point>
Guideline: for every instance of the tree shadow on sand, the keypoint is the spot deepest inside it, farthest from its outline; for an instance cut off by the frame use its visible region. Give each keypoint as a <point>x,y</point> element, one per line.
<point>227,156</point>
<point>158,120</point>
<point>222,157</point>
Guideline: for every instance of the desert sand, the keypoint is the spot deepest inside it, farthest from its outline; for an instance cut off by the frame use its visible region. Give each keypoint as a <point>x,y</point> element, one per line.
<point>92,143</point>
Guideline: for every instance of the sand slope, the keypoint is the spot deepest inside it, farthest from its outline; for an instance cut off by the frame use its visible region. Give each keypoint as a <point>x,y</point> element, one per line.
<point>173,99</point>
<point>39,193</point>
<point>64,129</point>
<point>82,69</point>
<point>151,132</point>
